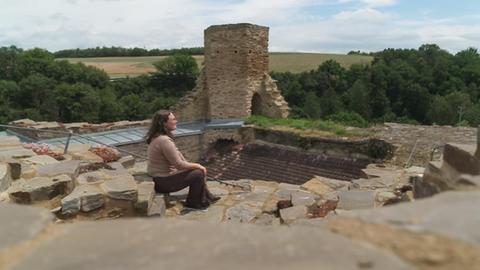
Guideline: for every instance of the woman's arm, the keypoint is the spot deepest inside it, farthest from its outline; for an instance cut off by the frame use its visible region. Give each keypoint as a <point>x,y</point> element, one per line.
<point>173,156</point>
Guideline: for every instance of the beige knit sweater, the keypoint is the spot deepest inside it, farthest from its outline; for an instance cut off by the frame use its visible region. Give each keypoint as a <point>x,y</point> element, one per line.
<point>164,159</point>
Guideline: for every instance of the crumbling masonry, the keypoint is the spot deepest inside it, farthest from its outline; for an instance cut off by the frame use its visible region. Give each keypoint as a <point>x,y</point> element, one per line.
<point>234,82</point>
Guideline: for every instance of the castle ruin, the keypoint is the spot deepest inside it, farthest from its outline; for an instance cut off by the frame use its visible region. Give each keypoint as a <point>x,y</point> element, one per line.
<point>234,82</point>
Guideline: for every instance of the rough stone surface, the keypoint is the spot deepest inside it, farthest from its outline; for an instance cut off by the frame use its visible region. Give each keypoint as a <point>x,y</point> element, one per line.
<point>356,199</point>
<point>213,214</point>
<point>317,186</point>
<point>85,198</point>
<point>5,177</point>
<point>40,188</point>
<point>123,188</point>
<point>461,157</point>
<point>94,177</point>
<point>158,207</point>
<point>20,223</point>
<point>303,198</point>
<point>15,168</point>
<point>454,214</point>
<point>107,245</point>
<point>127,161</point>
<point>41,160</point>
<point>292,213</point>
<point>69,167</point>
<point>333,183</point>
<point>242,212</point>
<point>16,153</point>
<point>235,81</point>
<point>146,195</point>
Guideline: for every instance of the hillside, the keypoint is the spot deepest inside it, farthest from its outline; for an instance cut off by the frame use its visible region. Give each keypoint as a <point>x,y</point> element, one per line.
<point>281,62</point>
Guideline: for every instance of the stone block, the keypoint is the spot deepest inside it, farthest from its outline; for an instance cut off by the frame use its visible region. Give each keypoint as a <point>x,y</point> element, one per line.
<point>333,183</point>
<point>356,199</point>
<point>461,158</point>
<point>41,160</point>
<point>452,213</point>
<point>317,186</point>
<point>83,198</point>
<point>158,206</point>
<point>290,214</point>
<point>69,168</point>
<point>142,177</point>
<point>5,177</point>
<point>122,188</point>
<point>40,188</point>
<point>146,194</point>
<point>303,198</point>
<point>127,161</point>
<point>242,213</point>
<point>92,178</point>
<point>15,153</point>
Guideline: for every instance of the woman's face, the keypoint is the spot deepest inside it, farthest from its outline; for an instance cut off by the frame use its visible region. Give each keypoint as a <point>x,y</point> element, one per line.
<point>171,123</point>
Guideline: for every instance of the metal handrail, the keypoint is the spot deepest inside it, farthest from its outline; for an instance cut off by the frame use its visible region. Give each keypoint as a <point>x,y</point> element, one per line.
<point>69,136</point>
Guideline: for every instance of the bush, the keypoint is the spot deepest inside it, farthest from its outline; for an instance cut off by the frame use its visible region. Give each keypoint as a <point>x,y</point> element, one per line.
<point>352,119</point>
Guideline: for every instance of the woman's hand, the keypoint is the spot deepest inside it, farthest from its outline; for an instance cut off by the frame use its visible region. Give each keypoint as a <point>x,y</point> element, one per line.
<point>203,169</point>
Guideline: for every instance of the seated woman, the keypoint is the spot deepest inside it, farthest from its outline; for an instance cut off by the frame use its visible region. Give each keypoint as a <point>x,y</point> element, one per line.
<point>169,169</point>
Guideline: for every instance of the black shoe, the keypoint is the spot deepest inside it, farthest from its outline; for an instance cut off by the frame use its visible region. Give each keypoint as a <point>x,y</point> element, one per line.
<point>214,199</point>
<point>197,207</point>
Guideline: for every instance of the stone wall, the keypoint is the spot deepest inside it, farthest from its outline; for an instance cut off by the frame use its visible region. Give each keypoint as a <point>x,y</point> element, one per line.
<point>236,68</point>
<point>429,140</point>
<point>192,146</point>
<point>41,129</point>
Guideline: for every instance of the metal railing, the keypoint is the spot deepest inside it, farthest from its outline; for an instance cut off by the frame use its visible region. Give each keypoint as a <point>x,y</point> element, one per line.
<point>69,135</point>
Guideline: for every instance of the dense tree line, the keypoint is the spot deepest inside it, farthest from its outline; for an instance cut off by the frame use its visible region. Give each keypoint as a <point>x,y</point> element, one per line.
<point>428,85</point>
<point>120,51</point>
<point>34,85</point>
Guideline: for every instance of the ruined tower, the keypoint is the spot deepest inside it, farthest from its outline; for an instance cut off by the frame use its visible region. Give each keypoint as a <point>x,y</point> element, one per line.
<point>234,82</point>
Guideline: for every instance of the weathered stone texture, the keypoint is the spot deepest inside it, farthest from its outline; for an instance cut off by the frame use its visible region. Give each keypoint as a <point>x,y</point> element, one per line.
<point>234,82</point>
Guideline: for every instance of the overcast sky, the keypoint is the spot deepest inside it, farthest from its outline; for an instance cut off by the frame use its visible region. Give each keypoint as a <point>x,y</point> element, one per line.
<point>336,26</point>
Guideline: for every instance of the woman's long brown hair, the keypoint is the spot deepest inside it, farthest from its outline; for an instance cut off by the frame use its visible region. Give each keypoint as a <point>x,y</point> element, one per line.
<point>157,127</point>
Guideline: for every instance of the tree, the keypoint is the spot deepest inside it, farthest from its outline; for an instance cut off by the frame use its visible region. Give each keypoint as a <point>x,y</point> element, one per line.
<point>357,97</point>
<point>77,102</point>
<point>175,74</point>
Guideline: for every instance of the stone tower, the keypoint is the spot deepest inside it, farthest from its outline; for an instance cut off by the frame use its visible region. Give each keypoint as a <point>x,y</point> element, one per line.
<point>234,82</point>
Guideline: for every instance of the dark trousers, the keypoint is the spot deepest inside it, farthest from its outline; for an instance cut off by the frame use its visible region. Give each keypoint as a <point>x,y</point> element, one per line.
<point>198,194</point>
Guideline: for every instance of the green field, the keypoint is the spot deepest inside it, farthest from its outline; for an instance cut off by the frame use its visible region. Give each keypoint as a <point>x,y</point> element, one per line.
<point>294,62</point>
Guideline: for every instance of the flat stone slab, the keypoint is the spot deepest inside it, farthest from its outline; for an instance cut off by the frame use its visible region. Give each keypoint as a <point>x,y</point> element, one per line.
<point>122,188</point>
<point>41,160</point>
<point>162,243</point>
<point>16,153</point>
<point>69,167</point>
<point>213,214</point>
<point>356,199</point>
<point>40,188</point>
<point>454,214</point>
<point>19,223</point>
<point>242,213</point>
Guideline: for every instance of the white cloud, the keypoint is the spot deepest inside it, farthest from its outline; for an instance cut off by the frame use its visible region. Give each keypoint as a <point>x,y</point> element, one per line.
<point>294,25</point>
<point>379,3</point>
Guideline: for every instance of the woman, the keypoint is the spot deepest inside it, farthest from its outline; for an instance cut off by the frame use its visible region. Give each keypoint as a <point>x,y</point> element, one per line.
<point>169,169</point>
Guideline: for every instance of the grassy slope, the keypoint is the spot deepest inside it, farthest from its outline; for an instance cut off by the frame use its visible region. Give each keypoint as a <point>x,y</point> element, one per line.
<point>293,62</point>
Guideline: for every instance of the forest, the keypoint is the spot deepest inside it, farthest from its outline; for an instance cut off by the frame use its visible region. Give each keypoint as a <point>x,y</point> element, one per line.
<point>427,85</point>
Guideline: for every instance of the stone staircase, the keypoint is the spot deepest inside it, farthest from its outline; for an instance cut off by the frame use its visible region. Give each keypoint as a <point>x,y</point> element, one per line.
<point>275,163</point>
